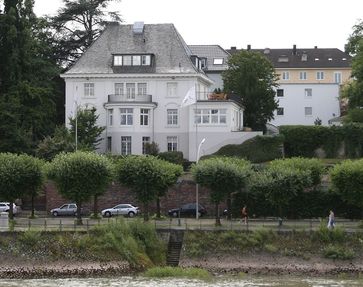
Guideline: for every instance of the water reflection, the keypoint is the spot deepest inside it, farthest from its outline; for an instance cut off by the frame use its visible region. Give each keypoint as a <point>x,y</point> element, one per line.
<point>218,282</point>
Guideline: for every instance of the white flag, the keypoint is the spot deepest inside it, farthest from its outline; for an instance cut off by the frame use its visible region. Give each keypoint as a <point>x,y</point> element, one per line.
<point>190,98</point>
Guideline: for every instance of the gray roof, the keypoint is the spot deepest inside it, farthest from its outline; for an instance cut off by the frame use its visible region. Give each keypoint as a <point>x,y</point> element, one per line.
<point>316,57</point>
<point>211,52</point>
<point>171,53</point>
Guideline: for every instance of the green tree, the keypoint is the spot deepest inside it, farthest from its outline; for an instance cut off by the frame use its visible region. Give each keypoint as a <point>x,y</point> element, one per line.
<point>80,175</point>
<point>88,133</point>
<point>147,176</point>
<point>347,180</point>
<point>19,175</point>
<point>26,86</point>
<point>222,176</point>
<point>61,141</point>
<point>354,38</point>
<point>252,76</point>
<point>77,25</point>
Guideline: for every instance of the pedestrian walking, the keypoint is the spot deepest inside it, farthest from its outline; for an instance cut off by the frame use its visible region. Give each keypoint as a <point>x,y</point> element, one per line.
<point>244,214</point>
<point>331,222</point>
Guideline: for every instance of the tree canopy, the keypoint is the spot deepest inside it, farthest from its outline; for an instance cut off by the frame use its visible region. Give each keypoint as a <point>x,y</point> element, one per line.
<point>252,76</point>
<point>354,38</point>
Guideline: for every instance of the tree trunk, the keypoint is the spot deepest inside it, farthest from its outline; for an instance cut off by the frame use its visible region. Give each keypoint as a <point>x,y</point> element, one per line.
<point>32,203</point>
<point>79,216</point>
<point>11,211</point>
<point>218,220</point>
<point>95,206</point>
<point>229,207</point>
<point>146,211</point>
<point>158,207</point>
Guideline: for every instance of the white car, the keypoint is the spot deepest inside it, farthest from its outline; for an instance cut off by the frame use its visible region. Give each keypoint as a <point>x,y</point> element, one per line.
<point>5,207</point>
<point>121,209</point>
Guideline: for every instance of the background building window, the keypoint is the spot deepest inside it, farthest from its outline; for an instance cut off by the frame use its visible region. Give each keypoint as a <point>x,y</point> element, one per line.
<point>308,111</point>
<point>172,143</point>
<point>110,117</point>
<point>126,117</point>
<point>308,93</point>
<point>109,144</point>
<point>303,75</point>
<point>89,89</point>
<point>146,60</point>
<point>280,111</point>
<point>338,77</point>
<point>285,75</point>
<point>136,60</point>
<point>119,89</point>
<point>141,89</point>
<point>145,141</point>
<point>117,60</point>
<point>125,145</point>
<point>218,61</point>
<point>280,92</point>
<point>320,75</point>
<point>144,117</point>
<point>172,117</point>
<point>126,60</point>
<point>211,116</point>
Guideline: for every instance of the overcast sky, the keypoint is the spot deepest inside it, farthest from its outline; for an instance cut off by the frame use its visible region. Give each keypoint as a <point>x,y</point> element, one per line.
<point>261,23</point>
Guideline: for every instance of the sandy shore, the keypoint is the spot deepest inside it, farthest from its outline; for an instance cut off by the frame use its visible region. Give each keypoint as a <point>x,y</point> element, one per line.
<point>274,265</point>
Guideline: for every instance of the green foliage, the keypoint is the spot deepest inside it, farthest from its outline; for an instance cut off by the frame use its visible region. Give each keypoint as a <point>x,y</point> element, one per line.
<point>147,176</point>
<point>326,235</point>
<point>178,272</point>
<point>30,238</point>
<point>338,252</point>
<point>152,148</point>
<point>258,149</point>
<point>313,166</point>
<point>61,141</point>
<point>19,175</point>
<point>172,156</point>
<point>88,133</point>
<point>354,38</point>
<point>252,76</point>
<point>80,175</point>
<point>347,179</point>
<point>354,115</point>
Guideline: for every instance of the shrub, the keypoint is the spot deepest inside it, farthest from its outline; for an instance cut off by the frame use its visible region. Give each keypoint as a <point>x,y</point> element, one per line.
<point>29,238</point>
<point>172,156</point>
<point>338,252</point>
<point>257,149</point>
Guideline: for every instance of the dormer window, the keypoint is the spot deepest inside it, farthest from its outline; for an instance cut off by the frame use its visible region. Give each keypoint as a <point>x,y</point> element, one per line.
<point>330,59</point>
<point>304,57</point>
<point>218,61</point>
<point>283,59</point>
<point>131,60</point>
<point>316,59</point>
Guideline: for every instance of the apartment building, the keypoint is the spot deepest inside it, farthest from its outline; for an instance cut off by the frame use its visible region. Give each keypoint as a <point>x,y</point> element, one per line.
<point>136,76</point>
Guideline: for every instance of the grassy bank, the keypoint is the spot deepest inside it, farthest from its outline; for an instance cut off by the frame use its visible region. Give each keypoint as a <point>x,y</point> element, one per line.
<point>331,244</point>
<point>134,242</point>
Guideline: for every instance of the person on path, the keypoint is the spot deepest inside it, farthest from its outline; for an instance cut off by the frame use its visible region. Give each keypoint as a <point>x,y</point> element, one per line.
<point>244,214</point>
<point>331,222</point>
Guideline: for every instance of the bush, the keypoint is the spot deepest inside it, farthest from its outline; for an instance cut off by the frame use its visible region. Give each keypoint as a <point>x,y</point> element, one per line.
<point>257,149</point>
<point>172,156</point>
<point>338,252</point>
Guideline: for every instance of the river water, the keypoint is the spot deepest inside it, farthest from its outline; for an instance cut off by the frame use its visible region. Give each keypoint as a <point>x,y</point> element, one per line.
<point>217,282</point>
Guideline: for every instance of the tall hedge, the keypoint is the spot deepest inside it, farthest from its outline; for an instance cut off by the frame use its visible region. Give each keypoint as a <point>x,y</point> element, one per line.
<point>256,150</point>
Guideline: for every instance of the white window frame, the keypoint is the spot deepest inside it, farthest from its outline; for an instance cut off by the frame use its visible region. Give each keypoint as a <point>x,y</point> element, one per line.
<point>126,145</point>
<point>172,143</point>
<point>308,92</point>
<point>308,114</point>
<point>109,144</point>
<point>127,60</point>
<point>277,93</point>
<point>172,117</point>
<point>338,77</point>
<point>117,60</point>
<point>145,60</point>
<point>136,60</point>
<point>210,116</point>
<point>218,61</point>
<point>278,111</point>
<point>119,89</point>
<point>141,89</point>
<point>89,90</point>
<point>130,90</point>
<point>172,89</point>
<point>144,117</point>
<point>320,75</point>
<point>145,140</point>
<point>110,117</point>
<point>303,76</point>
<point>286,75</point>
<point>126,116</point>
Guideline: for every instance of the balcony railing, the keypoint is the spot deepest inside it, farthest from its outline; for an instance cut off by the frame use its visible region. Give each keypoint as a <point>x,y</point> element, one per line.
<point>126,98</point>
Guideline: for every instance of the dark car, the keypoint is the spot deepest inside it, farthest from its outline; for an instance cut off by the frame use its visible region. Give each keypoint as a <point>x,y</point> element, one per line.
<point>188,209</point>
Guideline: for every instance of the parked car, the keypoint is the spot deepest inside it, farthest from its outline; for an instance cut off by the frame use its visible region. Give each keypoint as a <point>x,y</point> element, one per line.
<point>188,209</point>
<point>65,209</point>
<point>5,207</point>
<point>121,209</point>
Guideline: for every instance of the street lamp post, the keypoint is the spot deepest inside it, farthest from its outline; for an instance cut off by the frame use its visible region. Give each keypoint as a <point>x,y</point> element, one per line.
<point>197,185</point>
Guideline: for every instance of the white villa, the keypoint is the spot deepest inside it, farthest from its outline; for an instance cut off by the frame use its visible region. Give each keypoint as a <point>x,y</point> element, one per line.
<point>136,76</point>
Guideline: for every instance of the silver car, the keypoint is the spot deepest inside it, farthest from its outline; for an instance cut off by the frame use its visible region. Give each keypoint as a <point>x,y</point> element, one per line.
<point>121,209</point>
<point>65,209</point>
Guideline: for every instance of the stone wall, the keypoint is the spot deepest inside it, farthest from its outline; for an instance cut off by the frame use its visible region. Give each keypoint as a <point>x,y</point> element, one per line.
<point>115,194</point>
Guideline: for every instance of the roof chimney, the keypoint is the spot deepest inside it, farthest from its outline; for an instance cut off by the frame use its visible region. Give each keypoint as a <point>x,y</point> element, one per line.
<point>315,47</point>
<point>138,28</point>
<point>248,47</point>
<point>294,50</point>
<point>233,48</point>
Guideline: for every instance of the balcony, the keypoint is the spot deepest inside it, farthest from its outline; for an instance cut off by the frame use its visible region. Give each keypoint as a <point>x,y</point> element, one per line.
<point>126,98</point>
